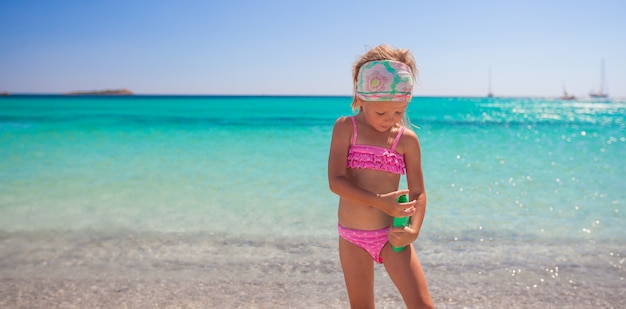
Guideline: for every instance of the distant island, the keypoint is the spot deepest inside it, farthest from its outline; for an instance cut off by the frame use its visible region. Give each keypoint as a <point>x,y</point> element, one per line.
<point>102,92</point>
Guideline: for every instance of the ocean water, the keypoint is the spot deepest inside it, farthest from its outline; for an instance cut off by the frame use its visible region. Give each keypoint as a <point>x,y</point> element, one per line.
<point>531,186</point>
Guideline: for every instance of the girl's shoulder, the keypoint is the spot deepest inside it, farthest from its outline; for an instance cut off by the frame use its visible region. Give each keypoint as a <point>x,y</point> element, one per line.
<point>408,139</point>
<point>343,127</point>
<point>343,122</point>
<point>409,133</point>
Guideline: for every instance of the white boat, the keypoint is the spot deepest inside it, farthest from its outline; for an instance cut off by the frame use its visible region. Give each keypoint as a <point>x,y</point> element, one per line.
<point>600,93</point>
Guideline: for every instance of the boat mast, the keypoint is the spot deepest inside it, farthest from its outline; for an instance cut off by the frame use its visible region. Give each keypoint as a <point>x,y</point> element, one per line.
<point>489,94</point>
<point>602,78</point>
<point>601,93</point>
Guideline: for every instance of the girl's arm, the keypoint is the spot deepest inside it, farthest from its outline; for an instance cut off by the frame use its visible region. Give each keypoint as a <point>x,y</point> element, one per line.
<point>403,236</point>
<point>415,179</point>
<point>342,186</point>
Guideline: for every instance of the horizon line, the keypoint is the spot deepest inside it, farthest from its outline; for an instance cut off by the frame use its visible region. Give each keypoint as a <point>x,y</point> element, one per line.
<point>8,94</point>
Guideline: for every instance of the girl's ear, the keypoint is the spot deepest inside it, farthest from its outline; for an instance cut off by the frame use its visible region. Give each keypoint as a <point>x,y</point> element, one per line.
<point>359,104</point>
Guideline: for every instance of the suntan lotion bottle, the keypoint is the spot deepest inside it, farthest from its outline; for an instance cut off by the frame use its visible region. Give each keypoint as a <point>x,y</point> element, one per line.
<point>402,221</point>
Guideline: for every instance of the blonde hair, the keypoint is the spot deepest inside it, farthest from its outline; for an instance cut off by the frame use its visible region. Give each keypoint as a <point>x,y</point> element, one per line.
<point>381,52</point>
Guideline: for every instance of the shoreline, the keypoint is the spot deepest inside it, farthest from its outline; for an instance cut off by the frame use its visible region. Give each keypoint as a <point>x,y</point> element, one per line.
<point>89,269</point>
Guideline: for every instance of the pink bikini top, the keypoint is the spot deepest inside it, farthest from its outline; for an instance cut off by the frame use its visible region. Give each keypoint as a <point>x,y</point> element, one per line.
<point>376,158</point>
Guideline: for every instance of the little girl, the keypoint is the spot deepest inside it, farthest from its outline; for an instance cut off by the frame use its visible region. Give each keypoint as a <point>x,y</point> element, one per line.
<point>368,153</point>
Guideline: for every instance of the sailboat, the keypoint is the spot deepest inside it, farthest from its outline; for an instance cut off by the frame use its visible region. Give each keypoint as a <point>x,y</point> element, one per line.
<point>567,96</point>
<point>489,94</point>
<point>601,93</point>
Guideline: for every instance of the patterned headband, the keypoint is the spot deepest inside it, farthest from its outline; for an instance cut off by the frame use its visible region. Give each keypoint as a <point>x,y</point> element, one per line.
<point>384,80</point>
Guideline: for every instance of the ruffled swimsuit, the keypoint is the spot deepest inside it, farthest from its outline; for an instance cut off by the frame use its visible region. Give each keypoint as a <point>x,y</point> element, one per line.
<point>380,159</point>
<point>376,158</point>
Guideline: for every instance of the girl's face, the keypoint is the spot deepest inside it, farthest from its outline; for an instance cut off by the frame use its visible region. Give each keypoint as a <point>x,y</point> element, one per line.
<point>383,115</point>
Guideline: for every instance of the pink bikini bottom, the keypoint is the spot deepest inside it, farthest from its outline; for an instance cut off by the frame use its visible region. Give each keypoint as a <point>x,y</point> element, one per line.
<point>372,241</point>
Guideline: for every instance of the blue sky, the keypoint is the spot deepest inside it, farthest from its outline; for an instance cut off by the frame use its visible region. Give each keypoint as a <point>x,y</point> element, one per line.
<point>533,47</point>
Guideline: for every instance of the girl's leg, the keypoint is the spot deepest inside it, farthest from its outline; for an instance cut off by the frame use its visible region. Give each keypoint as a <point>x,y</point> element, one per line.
<point>406,272</point>
<point>358,271</point>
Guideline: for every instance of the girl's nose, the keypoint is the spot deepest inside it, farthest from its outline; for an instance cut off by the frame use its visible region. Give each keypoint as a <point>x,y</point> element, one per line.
<point>395,118</point>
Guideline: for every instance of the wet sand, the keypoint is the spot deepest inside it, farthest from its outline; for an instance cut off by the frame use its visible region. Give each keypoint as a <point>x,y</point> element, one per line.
<point>89,269</point>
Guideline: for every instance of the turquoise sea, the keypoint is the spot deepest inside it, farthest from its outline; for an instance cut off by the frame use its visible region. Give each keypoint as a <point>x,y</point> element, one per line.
<point>523,193</point>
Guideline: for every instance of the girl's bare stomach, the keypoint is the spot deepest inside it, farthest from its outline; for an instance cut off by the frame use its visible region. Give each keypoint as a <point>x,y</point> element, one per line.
<point>359,216</point>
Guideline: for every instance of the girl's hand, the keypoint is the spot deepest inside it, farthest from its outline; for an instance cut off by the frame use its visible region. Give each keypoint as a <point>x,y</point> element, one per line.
<point>390,205</point>
<point>402,236</point>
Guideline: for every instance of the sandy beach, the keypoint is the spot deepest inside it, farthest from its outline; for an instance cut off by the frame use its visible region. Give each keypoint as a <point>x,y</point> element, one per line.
<point>170,270</point>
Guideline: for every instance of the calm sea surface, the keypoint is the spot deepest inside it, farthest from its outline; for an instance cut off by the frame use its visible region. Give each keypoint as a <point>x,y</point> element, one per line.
<point>502,174</point>
<point>509,167</point>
